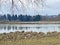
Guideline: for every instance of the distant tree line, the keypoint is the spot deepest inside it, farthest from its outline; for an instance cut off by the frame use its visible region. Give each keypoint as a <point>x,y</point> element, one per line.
<point>20,17</point>
<point>51,17</point>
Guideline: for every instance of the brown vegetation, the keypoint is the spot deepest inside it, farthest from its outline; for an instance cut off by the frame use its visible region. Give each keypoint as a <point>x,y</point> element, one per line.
<point>30,38</point>
<point>27,35</point>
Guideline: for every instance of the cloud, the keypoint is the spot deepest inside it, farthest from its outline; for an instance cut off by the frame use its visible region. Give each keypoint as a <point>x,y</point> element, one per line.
<point>31,7</point>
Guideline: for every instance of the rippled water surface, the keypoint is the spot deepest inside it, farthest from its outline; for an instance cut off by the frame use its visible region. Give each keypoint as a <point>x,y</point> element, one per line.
<point>29,27</point>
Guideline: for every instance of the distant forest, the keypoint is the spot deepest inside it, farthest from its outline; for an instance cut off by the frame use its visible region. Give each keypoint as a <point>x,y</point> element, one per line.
<point>21,17</point>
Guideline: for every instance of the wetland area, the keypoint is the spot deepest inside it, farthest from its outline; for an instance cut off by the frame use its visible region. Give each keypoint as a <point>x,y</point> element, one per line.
<point>30,34</point>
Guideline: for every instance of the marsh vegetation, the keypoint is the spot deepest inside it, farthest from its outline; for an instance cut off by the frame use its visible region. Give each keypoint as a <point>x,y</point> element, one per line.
<point>30,38</point>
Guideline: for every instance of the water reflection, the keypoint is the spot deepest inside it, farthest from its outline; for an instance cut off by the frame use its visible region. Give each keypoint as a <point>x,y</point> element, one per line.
<point>37,28</point>
<point>16,27</point>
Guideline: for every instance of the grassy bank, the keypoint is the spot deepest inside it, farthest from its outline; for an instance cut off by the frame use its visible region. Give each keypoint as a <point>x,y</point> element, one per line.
<point>30,38</point>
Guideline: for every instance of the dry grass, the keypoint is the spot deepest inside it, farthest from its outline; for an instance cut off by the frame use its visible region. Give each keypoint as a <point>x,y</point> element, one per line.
<point>17,38</point>
<point>42,41</point>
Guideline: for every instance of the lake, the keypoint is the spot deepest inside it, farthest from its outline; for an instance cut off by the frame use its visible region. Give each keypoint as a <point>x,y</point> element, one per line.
<point>6,28</point>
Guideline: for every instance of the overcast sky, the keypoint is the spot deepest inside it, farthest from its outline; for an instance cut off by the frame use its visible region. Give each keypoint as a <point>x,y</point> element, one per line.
<point>51,7</point>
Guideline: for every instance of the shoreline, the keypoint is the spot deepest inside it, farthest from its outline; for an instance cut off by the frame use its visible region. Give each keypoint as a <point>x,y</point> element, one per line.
<point>27,35</point>
<point>31,34</point>
<point>36,22</point>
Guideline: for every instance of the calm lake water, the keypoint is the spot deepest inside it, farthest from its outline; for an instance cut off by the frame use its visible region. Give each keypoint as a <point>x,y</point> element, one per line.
<point>29,27</point>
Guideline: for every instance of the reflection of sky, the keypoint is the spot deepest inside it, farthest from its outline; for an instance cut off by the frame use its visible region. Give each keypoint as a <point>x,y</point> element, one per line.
<point>51,7</point>
<point>35,28</point>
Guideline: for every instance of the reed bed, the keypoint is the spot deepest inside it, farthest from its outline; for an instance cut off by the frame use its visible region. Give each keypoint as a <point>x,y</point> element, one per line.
<point>30,38</point>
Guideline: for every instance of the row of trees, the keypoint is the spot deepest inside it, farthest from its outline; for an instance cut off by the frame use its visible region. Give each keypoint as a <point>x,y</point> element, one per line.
<point>20,17</point>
